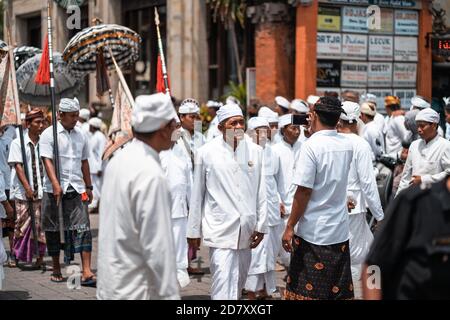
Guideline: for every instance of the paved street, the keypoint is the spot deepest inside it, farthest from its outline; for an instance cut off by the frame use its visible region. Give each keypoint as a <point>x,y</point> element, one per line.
<point>25,284</point>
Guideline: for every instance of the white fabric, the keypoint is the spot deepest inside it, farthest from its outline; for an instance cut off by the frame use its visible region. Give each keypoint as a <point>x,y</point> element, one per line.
<point>325,161</point>
<point>178,176</point>
<point>228,111</point>
<point>69,105</point>
<point>396,132</point>
<point>97,144</point>
<point>135,244</point>
<point>300,106</point>
<point>179,226</point>
<point>369,97</point>
<point>2,208</point>
<point>360,241</point>
<point>229,271</point>
<point>152,112</point>
<point>15,156</point>
<point>380,121</point>
<point>267,113</point>
<point>95,122</point>
<point>73,148</point>
<point>447,131</point>
<point>420,103</point>
<point>284,256</point>
<point>428,115</point>
<point>257,122</point>
<point>213,130</point>
<point>3,258</point>
<point>282,102</point>
<point>352,111</point>
<point>232,100</point>
<point>5,144</point>
<point>84,114</point>
<point>228,201</point>
<point>366,108</point>
<point>429,160</point>
<point>214,104</point>
<point>312,99</point>
<point>372,134</point>
<point>189,106</point>
<point>275,184</point>
<point>284,120</point>
<point>362,184</point>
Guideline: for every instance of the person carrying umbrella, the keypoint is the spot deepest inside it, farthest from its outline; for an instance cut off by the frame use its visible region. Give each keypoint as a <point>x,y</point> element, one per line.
<point>74,191</point>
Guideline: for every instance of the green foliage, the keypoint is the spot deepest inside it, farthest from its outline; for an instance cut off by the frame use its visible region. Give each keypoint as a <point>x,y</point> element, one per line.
<point>229,11</point>
<point>238,91</point>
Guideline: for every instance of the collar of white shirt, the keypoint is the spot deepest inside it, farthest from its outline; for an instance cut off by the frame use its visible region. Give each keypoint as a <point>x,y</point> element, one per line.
<point>148,149</point>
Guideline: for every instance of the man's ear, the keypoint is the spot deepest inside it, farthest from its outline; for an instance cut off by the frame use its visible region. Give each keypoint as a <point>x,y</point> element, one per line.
<point>221,127</point>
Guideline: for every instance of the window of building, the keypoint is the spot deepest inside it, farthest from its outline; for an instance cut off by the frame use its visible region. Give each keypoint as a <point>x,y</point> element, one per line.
<point>33,27</point>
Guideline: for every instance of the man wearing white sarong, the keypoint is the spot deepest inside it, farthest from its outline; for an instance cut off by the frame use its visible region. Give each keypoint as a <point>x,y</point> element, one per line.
<point>288,150</point>
<point>177,174</point>
<point>361,191</point>
<point>97,143</point>
<point>371,131</point>
<point>213,131</point>
<point>228,203</point>
<point>136,247</point>
<point>429,157</point>
<point>262,269</point>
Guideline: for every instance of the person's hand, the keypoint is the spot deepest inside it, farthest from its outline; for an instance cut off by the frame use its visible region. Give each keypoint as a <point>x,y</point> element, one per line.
<point>350,205</point>
<point>256,239</point>
<point>9,210</point>
<point>194,243</point>
<point>29,194</point>
<point>282,210</point>
<point>57,193</point>
<point>90,195</point>
<point>417,180</point>
<point>287,238</point>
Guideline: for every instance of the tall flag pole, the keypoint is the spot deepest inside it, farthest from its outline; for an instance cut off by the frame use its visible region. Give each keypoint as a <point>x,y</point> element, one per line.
<point>162,60</point>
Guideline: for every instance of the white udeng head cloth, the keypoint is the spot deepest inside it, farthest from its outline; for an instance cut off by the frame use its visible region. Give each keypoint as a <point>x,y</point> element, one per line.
<point>84,114</point>
<point>300,106</point>
<point>284,120</point>
<point>282,102</point>
<point>267,113</point>
<point>228,111</point>
<point>428,115</point>
<point>69,105</point>
<point>312,99</point>
<point>152,112</point>
<point>189,106</point>
<point>95,122</point>
<point>257,122</point>
<point>419,102</point>
<point>352,110</point>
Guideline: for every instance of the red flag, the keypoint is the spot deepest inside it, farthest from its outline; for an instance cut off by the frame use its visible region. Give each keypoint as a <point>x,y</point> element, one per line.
<point>43,74</point>
<point>160,87</point>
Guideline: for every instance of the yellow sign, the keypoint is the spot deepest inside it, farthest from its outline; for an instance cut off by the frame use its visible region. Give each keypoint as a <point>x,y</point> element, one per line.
<point>329,19</point>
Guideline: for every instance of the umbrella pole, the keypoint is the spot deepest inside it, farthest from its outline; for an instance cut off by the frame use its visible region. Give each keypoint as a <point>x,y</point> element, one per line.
<point>22,140</point>
<point>56,162</point>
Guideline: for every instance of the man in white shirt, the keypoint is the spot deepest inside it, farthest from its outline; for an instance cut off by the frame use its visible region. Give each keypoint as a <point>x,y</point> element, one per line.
<point>213,131</point>
<point>28,191</point>
<point>429,157</point>
<point>83,121</point>
<point>73,192</point>
<point>97,144</point>
<point>362,190</point>
<point>378,118</point>
<point>396,131</point>
<point>288,150</point>
<point>300,107</point>
<point>272,118</point>
<point>228,203</point>
<point>371,131</point>
<point>320,261</point>
<point>136,248</point>
<point>261,277</point>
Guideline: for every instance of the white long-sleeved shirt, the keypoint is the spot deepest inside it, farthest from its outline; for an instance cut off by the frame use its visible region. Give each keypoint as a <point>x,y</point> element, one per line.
<point>362,185</point>
<point>373,135</point>
<point>228,201</point>
<point>213,130</point>
<point>430,161</point>
<point>177,173</point>
<point>5,144</point>
<point>396,132</point>
<point>379,121</point>
<point>447,131</point>
<point>97,144</point>
<point>289,156</point>
<point>136,259</point>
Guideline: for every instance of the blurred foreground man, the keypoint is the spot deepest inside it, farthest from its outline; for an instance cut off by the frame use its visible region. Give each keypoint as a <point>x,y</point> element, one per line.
<point>136,257</point>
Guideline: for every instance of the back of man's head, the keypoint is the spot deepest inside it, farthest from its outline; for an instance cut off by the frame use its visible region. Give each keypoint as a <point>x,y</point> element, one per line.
<point>328,110</point>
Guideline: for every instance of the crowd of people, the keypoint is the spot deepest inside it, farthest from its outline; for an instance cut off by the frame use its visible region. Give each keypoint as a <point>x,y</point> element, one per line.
<point>294,188</point>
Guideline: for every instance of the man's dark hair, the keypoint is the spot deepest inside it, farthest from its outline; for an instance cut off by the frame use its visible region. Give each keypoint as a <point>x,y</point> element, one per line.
<point>394,107</point>
<point>328,110</point>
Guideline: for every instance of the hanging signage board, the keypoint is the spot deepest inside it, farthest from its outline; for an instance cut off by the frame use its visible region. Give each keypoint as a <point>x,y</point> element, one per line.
<point>441,46</point>
<point>353,74</point>
<point>354,46</point>
<point>405,49</point>
<point>354,19</point>
<point>329,19</point>
<point>406,22</point>
<point>405,96</point>
<point>405,4</point>
<point>381,48</point>
<point>380,94</point>
<point>328,73</point>
<point>379,74</point>
<point>387,22</point>
<point>405,75</point>
<point>329,45</point>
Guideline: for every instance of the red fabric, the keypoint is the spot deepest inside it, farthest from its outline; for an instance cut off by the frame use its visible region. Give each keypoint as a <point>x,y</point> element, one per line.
<point>43,73</point>
<point>160,87</point>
